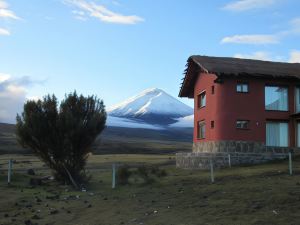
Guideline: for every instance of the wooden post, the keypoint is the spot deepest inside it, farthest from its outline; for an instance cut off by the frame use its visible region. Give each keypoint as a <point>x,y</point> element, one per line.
<point>9,171</point>
<point>290,164</point>
<point>212,171</point>
<point>229,160</point>
<point>113,175</point>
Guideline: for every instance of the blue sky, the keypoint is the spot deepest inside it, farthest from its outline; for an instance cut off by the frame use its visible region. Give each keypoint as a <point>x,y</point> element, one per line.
<point>116,48</point>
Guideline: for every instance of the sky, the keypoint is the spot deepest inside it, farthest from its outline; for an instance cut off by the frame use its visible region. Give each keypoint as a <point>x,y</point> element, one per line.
<point>117,48</point>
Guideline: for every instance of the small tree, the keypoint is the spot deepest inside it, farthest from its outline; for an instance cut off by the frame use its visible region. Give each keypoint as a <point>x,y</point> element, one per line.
<point>62,137</point>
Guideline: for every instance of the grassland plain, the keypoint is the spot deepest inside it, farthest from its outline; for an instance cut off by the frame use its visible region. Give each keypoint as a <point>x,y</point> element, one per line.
<point>262,194</point>
<point>117,140</point>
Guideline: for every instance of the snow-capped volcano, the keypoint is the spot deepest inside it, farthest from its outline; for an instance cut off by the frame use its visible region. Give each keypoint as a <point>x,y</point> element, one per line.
<point>152,106</point>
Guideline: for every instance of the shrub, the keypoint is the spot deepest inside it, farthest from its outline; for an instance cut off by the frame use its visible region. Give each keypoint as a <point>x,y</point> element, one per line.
<point>62,136</point>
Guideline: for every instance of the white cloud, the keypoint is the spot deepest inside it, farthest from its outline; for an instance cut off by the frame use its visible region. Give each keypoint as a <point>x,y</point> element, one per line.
<point>251,39</point>
<point>12,96</point>
<point>244,5</point>
<point>258,39</point>
<point>4,32</point>
<point>260,55</point>
<point>5,12</point>
<point>294,56</point>
<point>102,13</point>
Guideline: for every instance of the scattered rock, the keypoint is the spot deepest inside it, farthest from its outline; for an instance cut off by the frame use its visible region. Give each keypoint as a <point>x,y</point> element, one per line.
<point>52,197</point>
<point>27,222</point>
<point>35,182</point>
<point>28,205</point>
<point>53,211</point>
<point>30,172</point>
<point>35,217</point>
<point>37,199</point>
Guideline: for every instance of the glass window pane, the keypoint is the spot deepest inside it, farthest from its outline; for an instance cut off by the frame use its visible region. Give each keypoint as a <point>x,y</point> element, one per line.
<point>297,99</point>
<point>276,98</point>
<point>239,88</point>
<point>245,87</point>
<point>203,99</point>
<point>277,134</point>
<point>298,134</point>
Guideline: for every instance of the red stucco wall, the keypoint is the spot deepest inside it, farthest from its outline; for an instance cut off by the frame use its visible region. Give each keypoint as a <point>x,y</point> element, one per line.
<point>226,106</point>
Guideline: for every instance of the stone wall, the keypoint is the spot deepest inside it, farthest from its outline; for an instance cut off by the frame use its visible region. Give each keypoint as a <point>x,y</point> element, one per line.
<point>241,153</point>
<point>201,160</point>
<point>237,146</point>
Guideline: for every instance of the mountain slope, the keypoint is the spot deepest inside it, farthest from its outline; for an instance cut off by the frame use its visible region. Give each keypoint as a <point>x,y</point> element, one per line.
<point>153,106</point>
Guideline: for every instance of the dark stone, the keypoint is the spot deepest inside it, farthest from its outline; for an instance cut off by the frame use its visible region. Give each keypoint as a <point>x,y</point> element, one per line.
<point>37,199</point>
<point>30,172</point>
<point>35,182</point>
<point>6,215</point>
<point>27,222</point>
<point>89,206</point>
<point>28,206</point>
<point>35,217</point>
<point>53,212</point>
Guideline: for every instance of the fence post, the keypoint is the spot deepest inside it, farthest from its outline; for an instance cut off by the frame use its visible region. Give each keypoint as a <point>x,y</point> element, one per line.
<point>229,160</point>
<point>212,171</point>
<point>113,175</point>
<point>9,171</point>
<point>290,164</point>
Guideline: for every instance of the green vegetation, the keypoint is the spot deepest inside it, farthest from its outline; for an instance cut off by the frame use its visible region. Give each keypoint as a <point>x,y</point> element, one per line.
<point>62,136</point>
<point>263,194</point>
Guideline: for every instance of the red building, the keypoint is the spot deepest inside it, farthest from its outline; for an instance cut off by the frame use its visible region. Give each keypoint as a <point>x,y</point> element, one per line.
<point>243,105</point>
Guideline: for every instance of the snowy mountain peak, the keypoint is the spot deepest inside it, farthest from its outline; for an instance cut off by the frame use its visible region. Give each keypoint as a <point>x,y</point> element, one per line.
<point>151,105</point>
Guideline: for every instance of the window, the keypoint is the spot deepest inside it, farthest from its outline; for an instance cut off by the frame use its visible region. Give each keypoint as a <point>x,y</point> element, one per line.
<point>201,130</point>
<point>201,100</point>
<point>242,88</point>
<point>276,98</point>
<point>242,124</point>
<point>277,134</point>
<point>297,99</point>
<point>212,124</point>
<point>298,134</point>
<point>213,90</point>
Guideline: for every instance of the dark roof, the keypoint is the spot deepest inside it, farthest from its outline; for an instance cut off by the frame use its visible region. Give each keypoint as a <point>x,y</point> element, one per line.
<point>225,66</point>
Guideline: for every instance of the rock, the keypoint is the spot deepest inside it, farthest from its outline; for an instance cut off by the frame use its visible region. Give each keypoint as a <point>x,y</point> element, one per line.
<point>6,215</point>
<point>28,205</point>
<point>30,172</point>
<point>35,217</point>
<point>27,222</point>
<point>35,182</point>
<point>53,212</point>
<point>89,206</point>
<point>52,197</point>
<point>37,199</point>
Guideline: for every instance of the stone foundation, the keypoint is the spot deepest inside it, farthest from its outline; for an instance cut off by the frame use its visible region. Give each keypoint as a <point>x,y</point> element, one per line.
<point>239,152</point>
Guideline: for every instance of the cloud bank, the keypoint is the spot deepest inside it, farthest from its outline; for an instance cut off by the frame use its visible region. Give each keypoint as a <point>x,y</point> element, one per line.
<point>90,9</point>
<point>244,5</point>
<point>251,39</point>
<point>12,96</point>
<point>259,39</point>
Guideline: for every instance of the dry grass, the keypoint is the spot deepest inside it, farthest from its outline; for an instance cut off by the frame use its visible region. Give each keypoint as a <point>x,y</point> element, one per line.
<point>263,194</point>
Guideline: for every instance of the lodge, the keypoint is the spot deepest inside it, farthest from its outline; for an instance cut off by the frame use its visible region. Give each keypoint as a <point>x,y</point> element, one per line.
<point>247,108</point>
